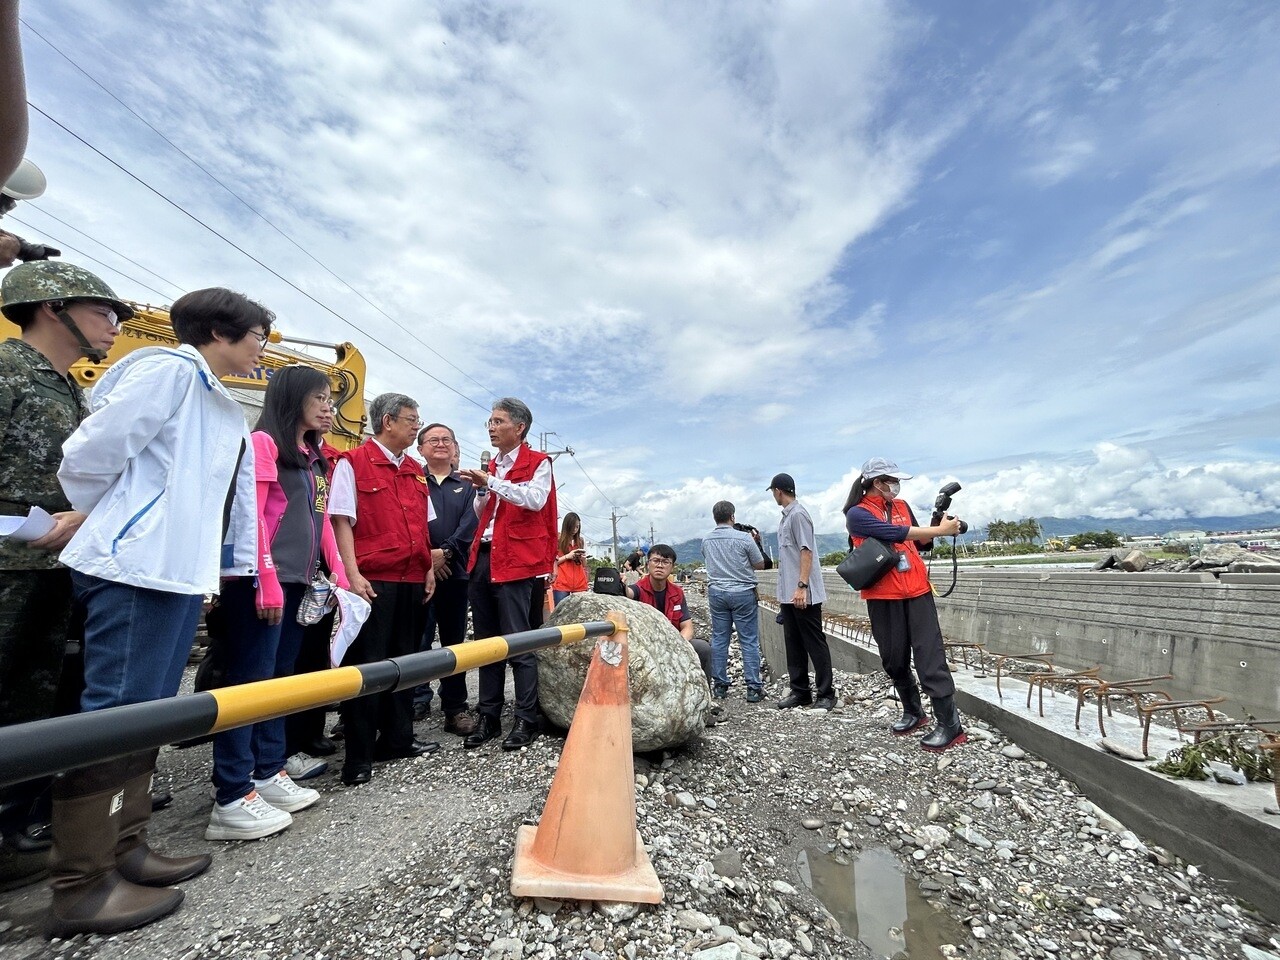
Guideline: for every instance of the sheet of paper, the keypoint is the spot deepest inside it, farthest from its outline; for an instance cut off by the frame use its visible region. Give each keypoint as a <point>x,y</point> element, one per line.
<point>31,527</point>
<point>353,611</point>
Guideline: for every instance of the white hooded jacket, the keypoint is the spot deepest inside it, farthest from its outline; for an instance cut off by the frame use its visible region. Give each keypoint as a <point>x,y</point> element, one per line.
<point>151,466</point>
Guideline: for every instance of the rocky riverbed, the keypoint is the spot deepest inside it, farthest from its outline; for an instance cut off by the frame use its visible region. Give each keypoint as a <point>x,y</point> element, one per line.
<point>994,854</point>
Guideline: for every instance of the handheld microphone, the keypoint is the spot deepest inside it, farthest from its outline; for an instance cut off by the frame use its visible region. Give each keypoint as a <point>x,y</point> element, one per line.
<point>484,461</point>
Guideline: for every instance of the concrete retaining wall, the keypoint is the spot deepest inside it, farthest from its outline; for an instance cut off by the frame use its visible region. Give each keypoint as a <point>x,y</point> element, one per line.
<point>1216,636</point>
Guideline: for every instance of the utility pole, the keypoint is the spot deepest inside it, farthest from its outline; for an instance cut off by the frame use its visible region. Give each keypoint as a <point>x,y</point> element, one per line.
<point>615,517</point>
<point>542,445</point>
<point>651,536</point>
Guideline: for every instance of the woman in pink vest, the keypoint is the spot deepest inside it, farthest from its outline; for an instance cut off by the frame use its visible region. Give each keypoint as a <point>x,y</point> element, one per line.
<point>256,796</point>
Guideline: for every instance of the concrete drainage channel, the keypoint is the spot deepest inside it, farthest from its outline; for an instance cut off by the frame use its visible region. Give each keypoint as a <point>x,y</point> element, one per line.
<point>1224,828</point>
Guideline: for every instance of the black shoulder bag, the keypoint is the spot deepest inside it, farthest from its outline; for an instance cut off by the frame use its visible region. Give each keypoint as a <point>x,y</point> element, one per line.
<point>868,563</point>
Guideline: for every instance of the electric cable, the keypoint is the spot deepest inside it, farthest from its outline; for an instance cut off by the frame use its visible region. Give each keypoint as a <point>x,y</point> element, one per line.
<point>63,245</point>
<point>231,243</point>
<point>89,236</point>
<point>259,214</point>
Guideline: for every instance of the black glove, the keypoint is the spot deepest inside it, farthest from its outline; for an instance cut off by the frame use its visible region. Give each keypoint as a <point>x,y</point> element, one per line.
<point>36,251</point>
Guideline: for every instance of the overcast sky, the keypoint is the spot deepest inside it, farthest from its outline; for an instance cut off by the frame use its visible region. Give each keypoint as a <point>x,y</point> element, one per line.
<point>1031,247</point>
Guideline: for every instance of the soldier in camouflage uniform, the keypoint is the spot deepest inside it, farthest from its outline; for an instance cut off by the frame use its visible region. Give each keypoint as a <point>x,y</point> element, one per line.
<point>64,313</point>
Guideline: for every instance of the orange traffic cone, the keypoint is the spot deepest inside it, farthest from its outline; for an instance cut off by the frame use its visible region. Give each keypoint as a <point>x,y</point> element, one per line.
<point>586,846</point>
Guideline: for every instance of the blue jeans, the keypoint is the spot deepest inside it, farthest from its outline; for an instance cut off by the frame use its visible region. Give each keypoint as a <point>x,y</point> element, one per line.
<point>136,641</point>
<point>254,650</point>
<point>729,609</point>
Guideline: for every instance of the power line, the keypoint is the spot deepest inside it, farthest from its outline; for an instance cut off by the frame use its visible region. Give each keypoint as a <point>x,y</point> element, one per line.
<point>235,246</point>
<point>122,256</point>
<point>256,212</point>
<point>91,258</point>
<point>256,260</point>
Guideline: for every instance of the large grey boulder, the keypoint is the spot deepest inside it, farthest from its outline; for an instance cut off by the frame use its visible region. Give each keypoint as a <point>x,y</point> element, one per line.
<point>1219,555</point>
<point>1132,561</point>
<point>669,697</point>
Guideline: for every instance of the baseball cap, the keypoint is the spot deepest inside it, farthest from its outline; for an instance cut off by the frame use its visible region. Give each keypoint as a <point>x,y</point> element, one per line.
<point>880,467</point>
<point>783,482</point>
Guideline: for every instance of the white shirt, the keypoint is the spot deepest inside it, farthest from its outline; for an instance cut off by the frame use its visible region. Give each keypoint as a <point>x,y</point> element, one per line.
<point>342,489</point>
<point>530,495</point>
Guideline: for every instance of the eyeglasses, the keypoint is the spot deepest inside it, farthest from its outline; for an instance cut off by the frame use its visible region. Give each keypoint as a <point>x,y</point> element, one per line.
<point>437,442</point>
<point>415,420</point>
<point>262,338</point>
<point>661,562</point>
<point>495,422</point>
<point>106,313</point>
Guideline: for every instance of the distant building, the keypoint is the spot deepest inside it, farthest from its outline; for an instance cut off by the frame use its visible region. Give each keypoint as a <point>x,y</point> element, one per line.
<point>1186,535</point>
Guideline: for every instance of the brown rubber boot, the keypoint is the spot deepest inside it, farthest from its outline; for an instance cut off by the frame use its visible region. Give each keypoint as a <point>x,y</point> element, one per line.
<point>136,861</point>
<point>89,895</point>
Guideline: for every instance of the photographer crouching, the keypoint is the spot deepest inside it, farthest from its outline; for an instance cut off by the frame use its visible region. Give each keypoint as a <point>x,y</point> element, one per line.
<point>904,619</point>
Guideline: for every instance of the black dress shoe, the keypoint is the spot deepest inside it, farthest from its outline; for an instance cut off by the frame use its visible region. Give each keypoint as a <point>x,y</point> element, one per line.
<point>355,776</point>
<point>794,700</point>
<point>825,703</point>
<point>485,730</point>
<point>523,733</point>
<point>321,746</point>
<point>421,710</point>
<point>337,733</point>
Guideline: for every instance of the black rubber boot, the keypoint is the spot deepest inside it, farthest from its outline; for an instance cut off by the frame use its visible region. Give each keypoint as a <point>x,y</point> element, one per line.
<point>946,731</point>
<point>913,717</point>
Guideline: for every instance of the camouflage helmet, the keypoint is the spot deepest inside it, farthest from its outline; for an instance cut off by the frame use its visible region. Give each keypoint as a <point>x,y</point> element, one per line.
<point>43,280</point>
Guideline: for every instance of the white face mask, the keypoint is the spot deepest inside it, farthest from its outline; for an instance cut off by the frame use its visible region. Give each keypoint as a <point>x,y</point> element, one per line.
<point>893,486</point>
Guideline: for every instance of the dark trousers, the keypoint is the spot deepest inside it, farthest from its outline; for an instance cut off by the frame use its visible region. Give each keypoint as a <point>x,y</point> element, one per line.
<point>447,614</point>
<point>393,629</point>
<point>35,611</point>
<point>806,643</point>
<point>305,728</point>
<point>703,650</point>
<point>906,629</point>
<point>498,609</point>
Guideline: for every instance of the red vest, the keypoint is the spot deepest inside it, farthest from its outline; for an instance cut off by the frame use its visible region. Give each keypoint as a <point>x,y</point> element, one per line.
<point>895,585</point>
<point>524,541</point>
<point>391,539</point>
<point>674,609</point>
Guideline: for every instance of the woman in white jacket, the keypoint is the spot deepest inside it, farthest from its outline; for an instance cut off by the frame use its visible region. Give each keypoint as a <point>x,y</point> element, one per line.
<point>164,471</point>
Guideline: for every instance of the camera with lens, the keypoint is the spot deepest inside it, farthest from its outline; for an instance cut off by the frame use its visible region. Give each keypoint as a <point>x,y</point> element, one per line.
<point>28,251</point>
<point>943,502</point>
<point>755,535</point>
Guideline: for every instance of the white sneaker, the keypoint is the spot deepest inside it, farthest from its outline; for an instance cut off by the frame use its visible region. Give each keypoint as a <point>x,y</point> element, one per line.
<point>249,818</point>
<point>282,793</point>
<point>303,766</point>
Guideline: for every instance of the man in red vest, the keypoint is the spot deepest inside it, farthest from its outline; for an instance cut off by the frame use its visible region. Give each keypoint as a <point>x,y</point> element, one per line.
<point>515,544</point>
<point>658,590</point>
<point>378,504</point>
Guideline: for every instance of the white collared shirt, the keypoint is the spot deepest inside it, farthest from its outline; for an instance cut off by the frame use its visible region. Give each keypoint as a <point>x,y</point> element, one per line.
<point>342,489</point>
<point>532,494</point>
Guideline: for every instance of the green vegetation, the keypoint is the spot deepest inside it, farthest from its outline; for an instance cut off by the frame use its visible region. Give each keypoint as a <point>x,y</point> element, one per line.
<point>1091,538</point>
<point>833,558</point>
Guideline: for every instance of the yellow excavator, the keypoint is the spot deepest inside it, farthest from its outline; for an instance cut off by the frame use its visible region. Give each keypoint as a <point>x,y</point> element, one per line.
<point>150,327</point>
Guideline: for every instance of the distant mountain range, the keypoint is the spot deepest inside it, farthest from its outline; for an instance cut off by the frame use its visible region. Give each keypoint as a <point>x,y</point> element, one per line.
<point>690,551</point>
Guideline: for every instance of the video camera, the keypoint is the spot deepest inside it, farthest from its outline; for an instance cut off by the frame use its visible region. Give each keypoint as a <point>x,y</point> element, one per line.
<point>941,504</point>
<point>755,535</point>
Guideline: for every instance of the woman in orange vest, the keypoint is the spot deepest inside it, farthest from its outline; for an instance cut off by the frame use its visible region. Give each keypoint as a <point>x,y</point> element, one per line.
<point>904,619</point>
<point>571,564</point>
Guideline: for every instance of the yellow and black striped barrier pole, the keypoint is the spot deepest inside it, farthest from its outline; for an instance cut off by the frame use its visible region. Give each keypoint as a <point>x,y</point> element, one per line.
<point>44,747</point>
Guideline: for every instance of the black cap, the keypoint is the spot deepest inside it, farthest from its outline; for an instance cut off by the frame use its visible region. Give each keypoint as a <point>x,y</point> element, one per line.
<point>783,482</point>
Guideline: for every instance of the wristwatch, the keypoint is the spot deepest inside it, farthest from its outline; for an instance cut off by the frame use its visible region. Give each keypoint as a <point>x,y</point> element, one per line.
<point>803,584</point>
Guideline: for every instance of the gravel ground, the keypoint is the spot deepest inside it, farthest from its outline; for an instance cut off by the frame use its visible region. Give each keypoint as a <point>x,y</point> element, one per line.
<point>1003,858</point>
